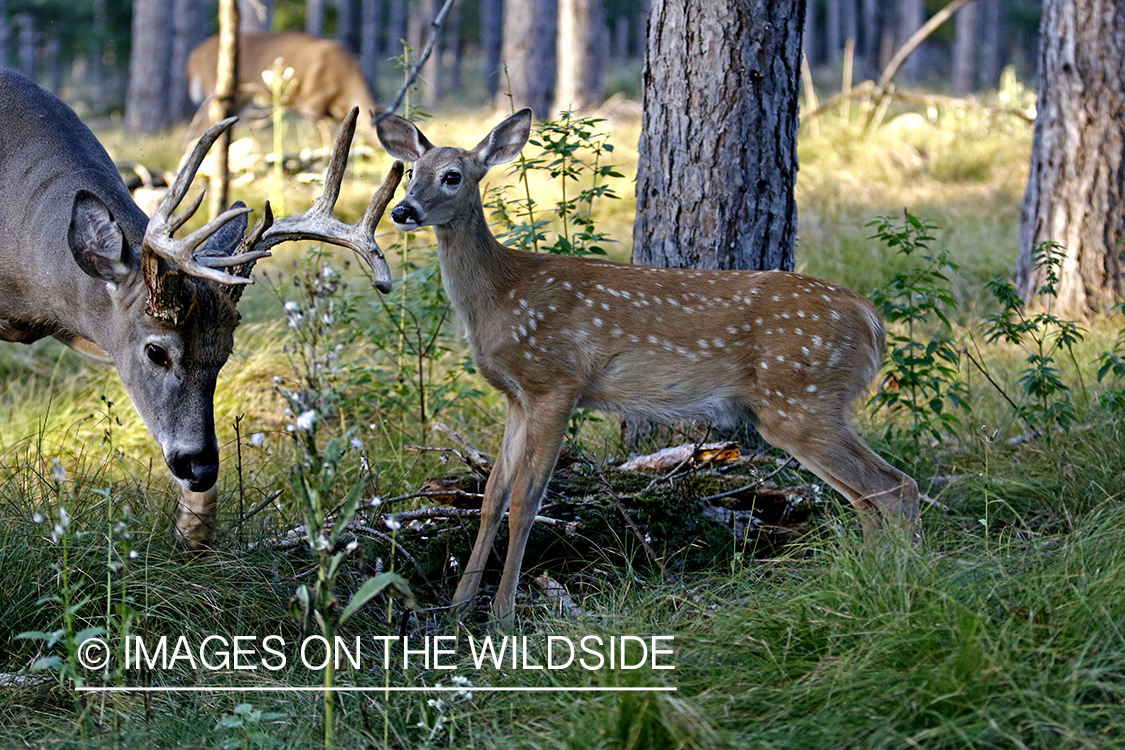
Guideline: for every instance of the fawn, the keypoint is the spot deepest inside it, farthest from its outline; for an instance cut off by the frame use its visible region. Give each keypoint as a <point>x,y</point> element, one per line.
<point>787,351</point>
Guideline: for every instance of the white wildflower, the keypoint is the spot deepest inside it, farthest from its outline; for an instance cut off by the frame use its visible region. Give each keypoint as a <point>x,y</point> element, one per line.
<point>58,471</point>
<point>352,545</point>
<point>306,421</point>
<point>258,439</point>
<point>392,523</point>
<point>37,517</point>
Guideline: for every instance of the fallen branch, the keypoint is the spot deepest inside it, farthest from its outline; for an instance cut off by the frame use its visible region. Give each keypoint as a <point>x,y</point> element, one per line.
<point>570,528</point>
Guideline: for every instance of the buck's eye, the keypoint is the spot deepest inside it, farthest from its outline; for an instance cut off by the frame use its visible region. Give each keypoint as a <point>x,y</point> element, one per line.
<point>451,178</point>
<point>158,355</point>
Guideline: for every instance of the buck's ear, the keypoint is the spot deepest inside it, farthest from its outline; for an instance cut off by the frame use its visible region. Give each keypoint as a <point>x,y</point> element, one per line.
<point>96,241</point>
<point>506,140</point>
<point>223,243</point>
<point>402,139</point>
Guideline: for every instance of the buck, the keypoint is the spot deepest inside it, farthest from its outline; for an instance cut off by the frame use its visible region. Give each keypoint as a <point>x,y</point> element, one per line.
<point>789,352</point>
<point>79,261</point>
<point>329,80</point>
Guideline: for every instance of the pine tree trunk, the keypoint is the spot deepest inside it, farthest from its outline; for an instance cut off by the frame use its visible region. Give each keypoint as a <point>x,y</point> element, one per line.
<point>147,102</point>
<point>583,39</point>
<point>530,28</point>
<point>369,43</point>
<point>718,150</point>
<point>491,42</point>
<point>1076,188</point>
<point>223,105</point>
<point>965,50</point>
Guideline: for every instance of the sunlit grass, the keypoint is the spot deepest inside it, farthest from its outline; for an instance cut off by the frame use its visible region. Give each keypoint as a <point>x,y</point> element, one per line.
<point>1001,630</point>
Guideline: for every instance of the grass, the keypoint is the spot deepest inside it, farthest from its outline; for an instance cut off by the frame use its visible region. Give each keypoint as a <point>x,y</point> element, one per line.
<point>1002,630</point>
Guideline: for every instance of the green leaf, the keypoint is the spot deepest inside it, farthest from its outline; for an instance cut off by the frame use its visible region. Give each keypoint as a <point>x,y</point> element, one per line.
<point>375,586</point>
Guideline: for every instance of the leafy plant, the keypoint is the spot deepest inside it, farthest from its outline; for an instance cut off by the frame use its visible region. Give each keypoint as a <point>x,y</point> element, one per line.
<point>70,599</point>
<point>572,149</point>
<point>922,372</point>
<point>1042,334</point>
<point>317,472</point>
<point>245,722</point>
<point>424,365</point>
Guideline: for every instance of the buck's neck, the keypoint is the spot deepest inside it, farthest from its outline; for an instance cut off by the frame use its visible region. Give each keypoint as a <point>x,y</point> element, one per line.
<point>477,270</point>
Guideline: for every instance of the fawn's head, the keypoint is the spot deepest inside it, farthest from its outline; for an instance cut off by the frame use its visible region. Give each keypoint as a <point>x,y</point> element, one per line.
<point>445,181</point>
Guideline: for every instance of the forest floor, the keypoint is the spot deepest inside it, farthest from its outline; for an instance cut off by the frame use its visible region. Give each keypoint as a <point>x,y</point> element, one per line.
<point>707,605</point>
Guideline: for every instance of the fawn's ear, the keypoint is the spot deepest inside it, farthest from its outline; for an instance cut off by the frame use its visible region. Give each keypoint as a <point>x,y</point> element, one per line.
<point>402,139</point>
<point>506,140</point>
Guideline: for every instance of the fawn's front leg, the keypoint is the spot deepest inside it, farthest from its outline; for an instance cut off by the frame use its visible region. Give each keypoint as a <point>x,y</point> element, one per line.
<point>543,428</point>
<point>497,492</point>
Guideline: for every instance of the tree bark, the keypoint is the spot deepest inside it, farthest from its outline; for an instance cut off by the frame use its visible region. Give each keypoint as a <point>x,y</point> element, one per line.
<point>994,27</point>
<point>223,105</point>
<point>965,51</point>
<point>718,156</point>
<point>491,42</point>
<point>1076,188</point>
<point>147,101</point>
<point>253,16</point>
<point>583,41</point>
<point>530,28</point>
<point>433,72</point>
<point>314,17</point>
<point>189,28</point>
<point>718,149</point>
<point>912,14</point>
<point>369,43</point>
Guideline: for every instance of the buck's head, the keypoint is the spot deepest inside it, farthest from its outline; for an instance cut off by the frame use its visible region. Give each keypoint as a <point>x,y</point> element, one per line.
<point>445,180</point>
<point>169,332</point>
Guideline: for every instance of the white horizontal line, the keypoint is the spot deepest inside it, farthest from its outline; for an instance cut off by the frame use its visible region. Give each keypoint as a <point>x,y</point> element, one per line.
<point>344,689</point>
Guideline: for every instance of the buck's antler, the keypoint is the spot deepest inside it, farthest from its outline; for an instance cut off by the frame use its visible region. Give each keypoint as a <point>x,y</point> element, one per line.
<point>158,240</point>
<point>320,224</point>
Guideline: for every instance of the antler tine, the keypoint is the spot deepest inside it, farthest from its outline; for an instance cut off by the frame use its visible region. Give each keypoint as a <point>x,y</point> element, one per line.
<point>158,239</point>
<point>382,198</point>
<point>183,180</point>
<point>320,224</point>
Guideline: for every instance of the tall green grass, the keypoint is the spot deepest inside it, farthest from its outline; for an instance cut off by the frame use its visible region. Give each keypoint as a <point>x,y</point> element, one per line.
<point>1004,629</point>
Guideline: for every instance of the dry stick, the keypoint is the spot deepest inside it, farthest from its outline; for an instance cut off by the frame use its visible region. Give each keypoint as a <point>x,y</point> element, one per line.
<point>570,528</point>
<point>628,520</point>
<point>435,30</point>
<point>756,484</point>
<point>257,507</point>
<point>919,36</point>
<point>471,450</point>
<point>810,92</point>
<point>846,84</point>
<point>987,376</point>
<point>480,471</point>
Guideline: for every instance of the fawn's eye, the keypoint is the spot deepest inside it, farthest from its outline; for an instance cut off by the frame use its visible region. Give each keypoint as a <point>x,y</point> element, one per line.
<point>451,178</point>
<point>158,355</point>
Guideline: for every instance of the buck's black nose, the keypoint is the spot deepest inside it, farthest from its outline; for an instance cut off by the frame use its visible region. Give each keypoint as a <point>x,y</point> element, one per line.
<point>403,214</point>
<point>199,470</point>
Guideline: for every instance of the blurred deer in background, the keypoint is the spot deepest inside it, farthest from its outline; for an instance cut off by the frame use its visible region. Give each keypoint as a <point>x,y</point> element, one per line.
<point>786,351</point>
<point>328,78</point>
<point>81,262</point>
